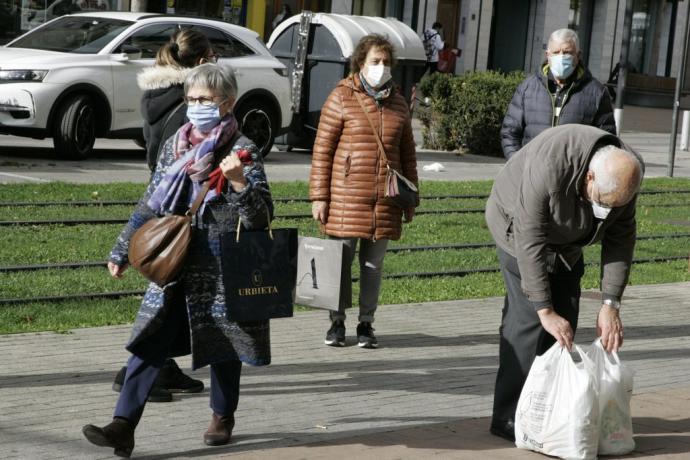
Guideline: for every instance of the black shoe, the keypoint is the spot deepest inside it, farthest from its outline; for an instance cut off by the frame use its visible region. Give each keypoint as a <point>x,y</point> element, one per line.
<point>158,394</point>
<point>174,380</point>
<point>365,336</point>
<point>335,336</point>
<point>118,434</point>
<point>503,429</point>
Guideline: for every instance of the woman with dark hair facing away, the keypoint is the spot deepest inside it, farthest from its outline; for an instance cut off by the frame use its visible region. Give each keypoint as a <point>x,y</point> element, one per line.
<point>210,161</point>
<point>348,176</point>
<point>163,109</point>
<point>162,104</point>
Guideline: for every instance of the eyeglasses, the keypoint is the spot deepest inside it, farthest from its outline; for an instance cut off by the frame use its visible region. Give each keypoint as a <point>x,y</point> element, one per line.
<point>213,58</point>
<point>203,100</point>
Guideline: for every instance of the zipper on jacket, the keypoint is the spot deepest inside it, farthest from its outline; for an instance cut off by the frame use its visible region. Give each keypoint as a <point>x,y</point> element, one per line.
<point>565,101</point>
<point>376,183</point>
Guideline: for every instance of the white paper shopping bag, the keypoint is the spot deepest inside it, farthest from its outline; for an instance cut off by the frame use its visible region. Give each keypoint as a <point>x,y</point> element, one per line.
<point>319,269</point>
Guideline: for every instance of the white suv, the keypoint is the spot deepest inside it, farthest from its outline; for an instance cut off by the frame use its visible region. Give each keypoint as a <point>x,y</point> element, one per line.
<point>74,78</point>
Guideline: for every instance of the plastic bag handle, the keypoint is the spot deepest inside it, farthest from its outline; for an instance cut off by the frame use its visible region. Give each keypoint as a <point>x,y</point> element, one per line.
<point>613,355</point>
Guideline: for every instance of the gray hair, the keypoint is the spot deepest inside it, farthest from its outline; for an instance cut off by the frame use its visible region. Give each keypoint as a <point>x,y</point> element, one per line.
<point>604,175</point>
<point>565,36</point>
<point>219,79</point>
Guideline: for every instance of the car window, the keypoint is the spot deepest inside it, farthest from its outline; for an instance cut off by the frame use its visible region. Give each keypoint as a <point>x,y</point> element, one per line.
<point>223,44</point>
<point>69,34</point>
<point>149,39</point>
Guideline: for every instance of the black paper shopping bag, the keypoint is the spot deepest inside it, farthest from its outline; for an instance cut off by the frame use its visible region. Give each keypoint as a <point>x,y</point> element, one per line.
<point>259,272</point>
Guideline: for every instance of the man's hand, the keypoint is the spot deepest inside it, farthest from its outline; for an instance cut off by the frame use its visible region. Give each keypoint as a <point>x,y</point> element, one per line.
<point>409,214</point>
<point>116,271</point>
<point>557,326</point>
<point>610,328</point>
<point>319,210</point>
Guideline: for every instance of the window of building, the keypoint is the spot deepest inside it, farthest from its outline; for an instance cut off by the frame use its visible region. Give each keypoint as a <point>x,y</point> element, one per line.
<point>580,18</point>
<point>369,7</point>
<point>641,36</point>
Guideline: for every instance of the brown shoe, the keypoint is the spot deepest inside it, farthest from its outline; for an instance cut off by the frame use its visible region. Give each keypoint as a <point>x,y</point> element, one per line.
<point>220,430</point>
<point>118,434</point>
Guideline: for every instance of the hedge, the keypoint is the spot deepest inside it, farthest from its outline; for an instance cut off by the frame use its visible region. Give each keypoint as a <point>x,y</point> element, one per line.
<point>467,110</point>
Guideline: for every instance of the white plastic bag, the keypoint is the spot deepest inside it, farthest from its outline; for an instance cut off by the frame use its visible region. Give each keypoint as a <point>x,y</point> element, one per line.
<point>615,390</point>
<point>558,409</point>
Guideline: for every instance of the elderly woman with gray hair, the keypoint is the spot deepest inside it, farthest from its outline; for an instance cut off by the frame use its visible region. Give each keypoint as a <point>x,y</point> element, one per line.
<point>562,91</point>
<point>190,315</point>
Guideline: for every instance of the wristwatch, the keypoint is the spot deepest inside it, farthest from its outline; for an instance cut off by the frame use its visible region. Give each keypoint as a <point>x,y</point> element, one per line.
<point>612,303</point>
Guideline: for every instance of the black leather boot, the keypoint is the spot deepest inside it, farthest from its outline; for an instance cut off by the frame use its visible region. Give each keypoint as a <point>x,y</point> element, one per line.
<point>172,379</point>
<point>118,434</point>
<point>219,431</point>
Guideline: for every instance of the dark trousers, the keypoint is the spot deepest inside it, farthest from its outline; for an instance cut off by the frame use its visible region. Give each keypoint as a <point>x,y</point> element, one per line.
<point>522,336</point>
<point>432,67</point>
<point>142,373</point>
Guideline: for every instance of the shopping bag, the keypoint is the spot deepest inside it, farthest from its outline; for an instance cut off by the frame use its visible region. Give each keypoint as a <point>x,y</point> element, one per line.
<point>615,390</point>
<point>558,409</point>
<point>259,270</point>
<point>319,271</point>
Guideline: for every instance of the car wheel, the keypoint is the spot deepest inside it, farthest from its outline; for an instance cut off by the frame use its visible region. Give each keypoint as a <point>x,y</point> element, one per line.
<point>75,128</point>
<point>257,121</point>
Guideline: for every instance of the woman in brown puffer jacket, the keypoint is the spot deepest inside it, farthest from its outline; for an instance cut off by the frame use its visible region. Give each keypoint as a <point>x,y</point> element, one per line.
<point>348,174</point>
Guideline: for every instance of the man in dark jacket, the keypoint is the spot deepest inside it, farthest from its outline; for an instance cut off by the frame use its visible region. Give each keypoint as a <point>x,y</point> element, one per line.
<point>571,186</point>
<point>562,92</point>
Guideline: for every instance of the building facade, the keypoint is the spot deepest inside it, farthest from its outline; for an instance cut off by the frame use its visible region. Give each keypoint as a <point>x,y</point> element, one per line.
<point>502,35</point>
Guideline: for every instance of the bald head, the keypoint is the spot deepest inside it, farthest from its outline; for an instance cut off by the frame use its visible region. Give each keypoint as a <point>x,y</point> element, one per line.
<point>614,176</point>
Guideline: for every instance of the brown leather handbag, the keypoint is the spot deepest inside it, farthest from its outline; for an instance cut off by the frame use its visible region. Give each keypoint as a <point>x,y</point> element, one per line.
<point>159,248</point>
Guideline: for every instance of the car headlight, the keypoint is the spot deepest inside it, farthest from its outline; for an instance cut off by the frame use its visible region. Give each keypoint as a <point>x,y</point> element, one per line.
<point>22,75</point>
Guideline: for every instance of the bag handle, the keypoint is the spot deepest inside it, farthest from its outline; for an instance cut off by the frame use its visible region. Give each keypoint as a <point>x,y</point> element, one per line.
<point>199,198</point>
<point>373,128</point>
<point>239,226</point>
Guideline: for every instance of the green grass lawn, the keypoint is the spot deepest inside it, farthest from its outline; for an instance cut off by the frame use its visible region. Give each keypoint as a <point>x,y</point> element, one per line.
<point>43,244</point>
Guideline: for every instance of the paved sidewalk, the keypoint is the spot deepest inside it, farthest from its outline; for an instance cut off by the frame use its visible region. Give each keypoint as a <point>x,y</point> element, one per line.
<point>426,393</point>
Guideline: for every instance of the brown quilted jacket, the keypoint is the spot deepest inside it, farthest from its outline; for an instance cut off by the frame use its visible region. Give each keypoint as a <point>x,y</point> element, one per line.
<point>346,168</point>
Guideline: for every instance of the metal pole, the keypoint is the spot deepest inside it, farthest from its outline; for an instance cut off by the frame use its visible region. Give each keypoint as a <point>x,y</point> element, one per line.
<point>676,97</point>
<point>479,28</point>
<point>623,65</point>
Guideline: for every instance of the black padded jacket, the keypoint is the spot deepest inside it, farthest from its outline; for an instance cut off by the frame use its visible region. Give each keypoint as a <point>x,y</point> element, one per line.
<point>531,110</point>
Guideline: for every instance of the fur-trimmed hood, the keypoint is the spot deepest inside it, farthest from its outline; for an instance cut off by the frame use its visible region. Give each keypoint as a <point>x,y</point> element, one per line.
<point>160,77</point>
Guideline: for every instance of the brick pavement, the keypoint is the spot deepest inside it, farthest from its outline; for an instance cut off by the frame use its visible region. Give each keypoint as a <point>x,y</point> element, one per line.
<point>426,393</point>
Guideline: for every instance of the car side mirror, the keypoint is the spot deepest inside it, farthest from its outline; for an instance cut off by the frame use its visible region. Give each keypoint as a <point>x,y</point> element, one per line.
<point>128,52</point>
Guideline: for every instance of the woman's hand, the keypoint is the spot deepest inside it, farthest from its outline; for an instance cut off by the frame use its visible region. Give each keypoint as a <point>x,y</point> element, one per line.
<point>232,168</point>
<point>319,210</point>
<point>115,270</point>
<point>409,214</point>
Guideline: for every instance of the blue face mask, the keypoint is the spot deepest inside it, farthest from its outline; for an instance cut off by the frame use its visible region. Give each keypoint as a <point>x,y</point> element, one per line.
<point>204,117</point>
<point>562,65</point>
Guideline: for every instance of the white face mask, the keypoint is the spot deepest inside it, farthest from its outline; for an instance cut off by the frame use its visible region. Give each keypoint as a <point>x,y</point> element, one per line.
<point>377,75</point>
<point>600,212</point>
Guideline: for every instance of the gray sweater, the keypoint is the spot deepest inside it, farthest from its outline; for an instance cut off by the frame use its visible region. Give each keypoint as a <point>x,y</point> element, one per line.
<point>537,213</point>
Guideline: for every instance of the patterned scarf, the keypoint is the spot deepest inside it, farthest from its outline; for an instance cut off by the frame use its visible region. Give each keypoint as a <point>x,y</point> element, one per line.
<point>194,158</point>
<point>379,95</point>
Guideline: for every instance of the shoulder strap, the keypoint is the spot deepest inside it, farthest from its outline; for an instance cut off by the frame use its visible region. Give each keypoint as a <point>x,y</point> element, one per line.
<point>200,198</point>
<point>172,114</point>
<point>382,150</point>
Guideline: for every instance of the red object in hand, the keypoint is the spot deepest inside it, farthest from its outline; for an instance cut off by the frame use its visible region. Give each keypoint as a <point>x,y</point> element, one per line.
<point>245,156</point>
